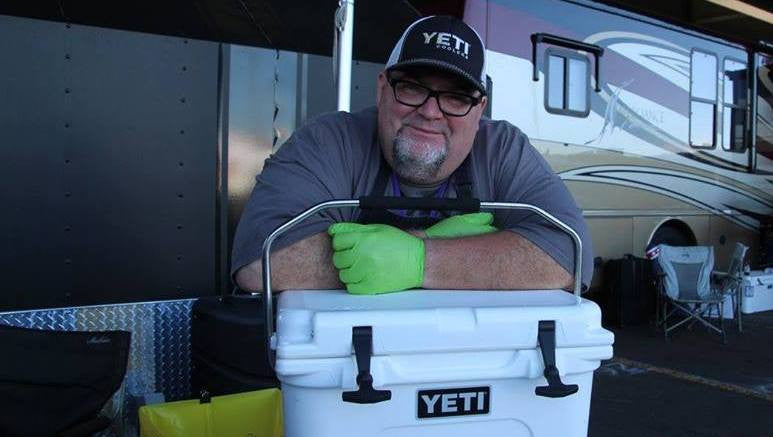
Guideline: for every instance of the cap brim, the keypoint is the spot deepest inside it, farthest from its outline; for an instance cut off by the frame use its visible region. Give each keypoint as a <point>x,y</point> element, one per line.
<point>445,66</point>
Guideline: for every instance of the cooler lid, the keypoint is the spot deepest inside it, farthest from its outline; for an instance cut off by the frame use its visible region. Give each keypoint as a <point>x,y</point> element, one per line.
<point>318,323</point>
<point>758,279</point>
<point>761,276</point>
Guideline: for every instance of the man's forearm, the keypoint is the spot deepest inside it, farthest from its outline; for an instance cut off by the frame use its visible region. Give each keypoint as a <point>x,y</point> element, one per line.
<point>499,261</point>
<point>305,264</point>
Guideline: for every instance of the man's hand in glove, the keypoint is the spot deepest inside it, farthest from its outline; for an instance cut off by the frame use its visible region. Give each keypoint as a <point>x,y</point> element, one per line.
<point>464,225</point>
<point>375,259</point>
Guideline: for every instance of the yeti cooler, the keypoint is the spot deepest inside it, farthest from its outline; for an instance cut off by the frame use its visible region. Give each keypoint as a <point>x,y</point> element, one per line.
<point>437,363</point>
<point>426,363</point>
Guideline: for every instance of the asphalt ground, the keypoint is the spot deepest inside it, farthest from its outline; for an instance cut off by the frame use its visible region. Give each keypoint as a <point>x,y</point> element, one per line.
<point>690,385</point>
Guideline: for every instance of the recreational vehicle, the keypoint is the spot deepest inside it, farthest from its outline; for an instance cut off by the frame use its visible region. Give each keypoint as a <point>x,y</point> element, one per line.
<point>650,125</point>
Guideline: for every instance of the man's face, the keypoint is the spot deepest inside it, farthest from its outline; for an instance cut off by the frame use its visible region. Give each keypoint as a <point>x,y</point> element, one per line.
<point>422,144</point>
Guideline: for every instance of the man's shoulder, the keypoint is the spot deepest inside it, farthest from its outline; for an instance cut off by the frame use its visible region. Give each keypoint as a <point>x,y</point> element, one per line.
<point>499,127</point>
<point>498,136</point>
<point>364,119</point>
<point>341,131</point>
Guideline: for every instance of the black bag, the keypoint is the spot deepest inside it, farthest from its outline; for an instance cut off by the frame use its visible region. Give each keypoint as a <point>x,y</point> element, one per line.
<point>228,345</point>
<point>630,291</point>
<point>56,382</point>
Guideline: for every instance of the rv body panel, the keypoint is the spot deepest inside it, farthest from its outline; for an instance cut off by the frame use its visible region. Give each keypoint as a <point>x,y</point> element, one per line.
<point>638,158</point>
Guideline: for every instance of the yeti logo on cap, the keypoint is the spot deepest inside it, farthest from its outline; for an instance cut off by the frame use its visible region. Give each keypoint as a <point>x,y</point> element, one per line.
<point>448,41</point>
<point>445,43</point>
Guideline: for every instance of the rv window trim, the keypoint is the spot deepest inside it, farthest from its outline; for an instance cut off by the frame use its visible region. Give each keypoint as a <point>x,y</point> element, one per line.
<point>567,54</point>
<point>714,102</point>
<point>733,106</point>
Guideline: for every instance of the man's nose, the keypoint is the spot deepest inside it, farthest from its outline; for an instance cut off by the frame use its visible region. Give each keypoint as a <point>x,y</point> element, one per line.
<point>431,108</point>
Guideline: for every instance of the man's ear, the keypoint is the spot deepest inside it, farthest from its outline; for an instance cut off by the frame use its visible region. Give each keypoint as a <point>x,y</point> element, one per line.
<point>381,83</point>
<point>483,103</point>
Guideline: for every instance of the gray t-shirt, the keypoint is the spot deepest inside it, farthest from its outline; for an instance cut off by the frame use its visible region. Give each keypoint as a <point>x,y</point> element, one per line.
<point>337,156</point>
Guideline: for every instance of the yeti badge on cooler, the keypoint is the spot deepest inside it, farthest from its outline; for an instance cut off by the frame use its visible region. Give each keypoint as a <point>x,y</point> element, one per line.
<point>453,402</point>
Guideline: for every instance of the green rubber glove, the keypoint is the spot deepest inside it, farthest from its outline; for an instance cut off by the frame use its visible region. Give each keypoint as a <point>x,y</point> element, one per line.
<point>375,259</point>
<point>464,225</point>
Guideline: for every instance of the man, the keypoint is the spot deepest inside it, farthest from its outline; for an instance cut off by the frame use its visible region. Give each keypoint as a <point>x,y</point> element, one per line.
<point>425,138</point>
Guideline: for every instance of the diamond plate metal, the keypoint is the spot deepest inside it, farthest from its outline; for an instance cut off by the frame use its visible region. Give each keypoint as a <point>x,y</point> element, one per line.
<point>160,353</point>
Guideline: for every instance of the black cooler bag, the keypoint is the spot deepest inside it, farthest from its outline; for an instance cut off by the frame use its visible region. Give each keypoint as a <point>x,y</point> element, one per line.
<point>630,292</point>
<point>228,345</point>
<point>54,383</point>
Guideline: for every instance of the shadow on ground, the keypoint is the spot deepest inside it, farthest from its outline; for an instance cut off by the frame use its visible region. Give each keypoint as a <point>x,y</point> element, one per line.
<point>692,385</point>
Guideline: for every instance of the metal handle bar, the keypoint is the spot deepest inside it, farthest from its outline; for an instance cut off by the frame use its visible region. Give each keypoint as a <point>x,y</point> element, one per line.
<point>449,205</point>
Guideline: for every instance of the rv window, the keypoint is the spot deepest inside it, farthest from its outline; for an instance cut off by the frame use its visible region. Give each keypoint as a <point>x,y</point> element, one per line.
<point>701,124</point>
<point>567,83</point>
<point>733,121</point>
<point>556,82</point>
<point>735,82</point>
<point>578,90</point>
<point>734,108</point>
<point>703,74</point>
<point>764,117</point>
<point>703,99</point>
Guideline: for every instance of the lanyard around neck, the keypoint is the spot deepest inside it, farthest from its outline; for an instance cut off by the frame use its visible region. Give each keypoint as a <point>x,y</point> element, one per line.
<point>439,193</point>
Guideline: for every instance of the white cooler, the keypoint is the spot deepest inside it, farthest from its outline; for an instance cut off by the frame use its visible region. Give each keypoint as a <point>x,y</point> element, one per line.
<point>758,292</point>
<point>434,363</point>
<point>446,363</point>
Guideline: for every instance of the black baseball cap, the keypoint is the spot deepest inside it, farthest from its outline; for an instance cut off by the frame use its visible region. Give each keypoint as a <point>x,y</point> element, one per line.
<point>442,42</point>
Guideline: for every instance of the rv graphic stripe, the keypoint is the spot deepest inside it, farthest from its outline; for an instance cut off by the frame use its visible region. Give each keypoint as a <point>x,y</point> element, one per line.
<point>712,195</point>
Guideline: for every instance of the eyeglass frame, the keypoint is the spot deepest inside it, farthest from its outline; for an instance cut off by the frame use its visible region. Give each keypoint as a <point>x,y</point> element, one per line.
<point>432,93</point>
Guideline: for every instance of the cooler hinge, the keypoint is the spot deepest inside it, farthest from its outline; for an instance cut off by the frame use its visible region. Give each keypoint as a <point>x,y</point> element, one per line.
<point>546,336</point>
<point>362,340</point>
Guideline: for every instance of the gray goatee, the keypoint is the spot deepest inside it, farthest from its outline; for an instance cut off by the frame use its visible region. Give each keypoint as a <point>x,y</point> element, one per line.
<point>415,161</point>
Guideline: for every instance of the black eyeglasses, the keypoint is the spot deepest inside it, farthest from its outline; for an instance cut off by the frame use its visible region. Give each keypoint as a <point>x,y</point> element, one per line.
<point>450,103</point>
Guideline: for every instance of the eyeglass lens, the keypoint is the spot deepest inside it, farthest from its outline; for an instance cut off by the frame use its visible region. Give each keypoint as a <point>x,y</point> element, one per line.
<point>451,103</point>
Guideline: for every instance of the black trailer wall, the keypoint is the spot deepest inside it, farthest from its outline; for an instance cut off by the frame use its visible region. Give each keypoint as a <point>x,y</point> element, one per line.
<point>109,155</point>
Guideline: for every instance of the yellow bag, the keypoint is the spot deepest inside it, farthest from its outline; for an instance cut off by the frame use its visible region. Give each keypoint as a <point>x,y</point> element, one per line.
<point>253,414</point>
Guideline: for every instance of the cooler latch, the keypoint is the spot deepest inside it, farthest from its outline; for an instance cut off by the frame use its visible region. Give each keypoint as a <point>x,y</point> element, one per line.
<point>546,336</point>
<point>362,340</point>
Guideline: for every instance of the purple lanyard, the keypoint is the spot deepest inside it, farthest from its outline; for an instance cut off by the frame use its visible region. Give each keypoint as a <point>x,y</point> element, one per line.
<point>439,193</point>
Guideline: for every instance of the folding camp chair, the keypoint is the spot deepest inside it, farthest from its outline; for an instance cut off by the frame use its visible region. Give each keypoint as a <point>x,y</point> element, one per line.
<point>686,287</point>
<point>729,282</point>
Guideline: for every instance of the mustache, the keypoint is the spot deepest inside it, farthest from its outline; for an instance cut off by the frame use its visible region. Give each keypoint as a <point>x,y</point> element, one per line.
<point>423,124</point>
